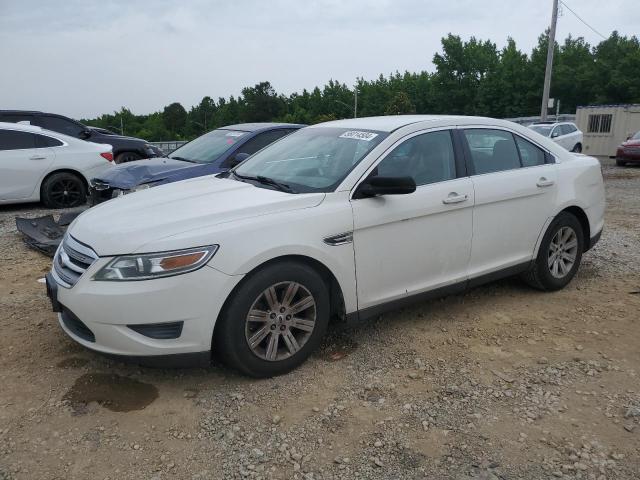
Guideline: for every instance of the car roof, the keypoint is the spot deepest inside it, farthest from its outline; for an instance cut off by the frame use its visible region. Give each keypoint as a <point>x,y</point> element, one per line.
<point>257,126</point>
<point>390,123</point>
<point>21,126</point>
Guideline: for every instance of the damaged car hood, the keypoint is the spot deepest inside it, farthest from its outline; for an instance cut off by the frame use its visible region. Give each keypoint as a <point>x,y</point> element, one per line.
<point>128,175</point>
<point>132,223</point>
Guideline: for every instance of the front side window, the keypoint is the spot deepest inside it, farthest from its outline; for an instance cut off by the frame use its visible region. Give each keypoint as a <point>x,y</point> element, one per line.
<point>209,147</point>
<point>62,125</point>
<point>529,153</point>
<point>15,140</point>
<point>427,158</point>
<point>314,159</point>
<point>492,150</point>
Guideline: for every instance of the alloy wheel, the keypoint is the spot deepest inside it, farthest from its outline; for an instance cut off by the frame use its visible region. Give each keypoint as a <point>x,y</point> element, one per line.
<point>280,321</point>
<point>563,251</point>
<point>66,193</point>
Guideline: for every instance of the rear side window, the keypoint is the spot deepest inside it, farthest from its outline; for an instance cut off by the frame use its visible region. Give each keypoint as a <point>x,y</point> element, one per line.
<point>14,140</point>
<point>492,150</point>
<point>44,141</point>
<point>62,125</point>
<point>529,153</point>
<point>427,158</point>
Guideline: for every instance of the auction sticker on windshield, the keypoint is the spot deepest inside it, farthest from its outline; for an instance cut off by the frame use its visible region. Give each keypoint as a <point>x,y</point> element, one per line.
<point>234,134</point>
<point>357,135</point>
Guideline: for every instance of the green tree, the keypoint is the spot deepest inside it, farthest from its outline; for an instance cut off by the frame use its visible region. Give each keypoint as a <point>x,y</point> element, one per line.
<point>400,104</point>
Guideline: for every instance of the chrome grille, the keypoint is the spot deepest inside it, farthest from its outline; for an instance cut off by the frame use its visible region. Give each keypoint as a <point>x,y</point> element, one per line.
<point>71,260</point>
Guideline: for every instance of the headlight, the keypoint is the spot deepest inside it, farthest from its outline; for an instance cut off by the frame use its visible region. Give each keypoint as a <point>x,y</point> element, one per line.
<point>155,265</point>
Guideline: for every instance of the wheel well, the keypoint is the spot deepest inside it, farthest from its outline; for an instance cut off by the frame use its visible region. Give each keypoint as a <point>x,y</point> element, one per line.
<point>584,223</point>
<point>64,170</point>
<point>335,292</point>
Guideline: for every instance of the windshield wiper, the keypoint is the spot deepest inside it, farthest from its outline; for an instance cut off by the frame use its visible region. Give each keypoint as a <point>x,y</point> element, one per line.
<point>184,159</point>
<point>283,187</point>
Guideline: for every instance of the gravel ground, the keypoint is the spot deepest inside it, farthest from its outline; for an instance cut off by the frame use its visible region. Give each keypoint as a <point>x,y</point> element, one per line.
<point>502,382</point>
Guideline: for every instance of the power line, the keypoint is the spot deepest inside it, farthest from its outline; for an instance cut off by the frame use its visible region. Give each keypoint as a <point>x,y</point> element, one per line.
<point>579,18</point>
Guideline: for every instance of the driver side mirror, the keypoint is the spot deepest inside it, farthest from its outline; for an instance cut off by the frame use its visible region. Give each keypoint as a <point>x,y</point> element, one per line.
<point>375,186</point>
<point>237,159</point>
<point>555,134</point>
<point>84,134</point>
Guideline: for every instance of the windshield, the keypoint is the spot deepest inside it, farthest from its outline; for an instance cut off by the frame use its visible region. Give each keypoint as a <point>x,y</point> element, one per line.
<point>636,136</point>
<point>208,147</point>
<point>312,159</point>
<point>542,129</point>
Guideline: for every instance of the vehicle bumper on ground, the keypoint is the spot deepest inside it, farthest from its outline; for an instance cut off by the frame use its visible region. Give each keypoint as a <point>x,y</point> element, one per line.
<point>163,322</point>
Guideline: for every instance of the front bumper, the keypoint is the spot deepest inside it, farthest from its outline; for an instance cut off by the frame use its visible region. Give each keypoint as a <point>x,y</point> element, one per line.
<point>99,315</point>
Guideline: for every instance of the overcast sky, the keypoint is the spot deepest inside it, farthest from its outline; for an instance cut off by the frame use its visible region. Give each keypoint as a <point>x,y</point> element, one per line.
<point>83,57</point>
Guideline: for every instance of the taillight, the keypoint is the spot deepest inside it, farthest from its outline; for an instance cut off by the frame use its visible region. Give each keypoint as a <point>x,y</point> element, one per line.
<point>107,155</point>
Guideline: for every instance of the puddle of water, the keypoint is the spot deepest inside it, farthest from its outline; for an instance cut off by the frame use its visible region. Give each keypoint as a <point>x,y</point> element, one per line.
<point>114,392</point>
<point>72,362</point>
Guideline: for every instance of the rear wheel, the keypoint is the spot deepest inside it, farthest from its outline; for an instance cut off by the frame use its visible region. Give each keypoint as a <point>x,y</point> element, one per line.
<point>577,148</point>
<point>127,157</point>
<point>63,190</point>
<point>274,321</point>
<point>559,254</point>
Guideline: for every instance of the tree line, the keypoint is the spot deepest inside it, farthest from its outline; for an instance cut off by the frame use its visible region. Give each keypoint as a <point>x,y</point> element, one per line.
<point>471,77</point>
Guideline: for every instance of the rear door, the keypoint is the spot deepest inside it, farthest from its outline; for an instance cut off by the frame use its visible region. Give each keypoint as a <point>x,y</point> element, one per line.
<point>515,190</point>
<point>408,244</point>
<point>22,164</point>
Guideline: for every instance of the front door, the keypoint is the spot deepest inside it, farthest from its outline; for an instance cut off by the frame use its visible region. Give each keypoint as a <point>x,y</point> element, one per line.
<point>408,244</point>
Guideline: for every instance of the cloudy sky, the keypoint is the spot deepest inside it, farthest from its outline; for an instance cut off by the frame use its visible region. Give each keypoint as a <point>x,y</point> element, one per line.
<point>87,57</point>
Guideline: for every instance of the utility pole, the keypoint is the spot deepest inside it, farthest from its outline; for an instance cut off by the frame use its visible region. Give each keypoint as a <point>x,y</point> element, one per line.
<point>547,72</point>
<point>355,101</point>
<point>121,125</point>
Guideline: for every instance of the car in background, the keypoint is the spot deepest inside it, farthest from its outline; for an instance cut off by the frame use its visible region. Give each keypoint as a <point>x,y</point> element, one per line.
<point>565,134</point>
<point>338,221</point>
<point>213,152</point>
<point>629,151</point>
<point>41,165</point>
<point>125,149</point>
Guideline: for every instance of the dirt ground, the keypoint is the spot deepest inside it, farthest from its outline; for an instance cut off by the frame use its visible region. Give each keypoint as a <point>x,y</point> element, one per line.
<point>503,382</point>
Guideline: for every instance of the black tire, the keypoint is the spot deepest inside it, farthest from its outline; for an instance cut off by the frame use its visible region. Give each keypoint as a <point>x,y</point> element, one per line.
<point>540,275</point>
<point>125,157</point>
<point>230,341</point>
<point>577,148</point>
<point>621,163</point>
<point>63,190</point>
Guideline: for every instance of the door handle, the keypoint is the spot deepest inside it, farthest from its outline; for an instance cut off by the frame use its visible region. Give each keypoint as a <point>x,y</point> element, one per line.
<point>37,157</point>
<point>543,182</point>
<point>453,197</point>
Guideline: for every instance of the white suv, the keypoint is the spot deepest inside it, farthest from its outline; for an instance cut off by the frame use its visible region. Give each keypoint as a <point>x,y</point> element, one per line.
<point>565,134</point>
<point>340,221</point>
<point>41,165</point>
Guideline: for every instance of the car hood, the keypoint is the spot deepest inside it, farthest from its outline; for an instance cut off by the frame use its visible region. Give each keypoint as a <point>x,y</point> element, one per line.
<point>132,223</point>
<point>128,175</point>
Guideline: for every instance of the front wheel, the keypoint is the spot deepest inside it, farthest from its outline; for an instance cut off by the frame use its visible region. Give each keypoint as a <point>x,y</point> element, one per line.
<point>274,321</point>
<point>559,255</point>
<point>621,163</point>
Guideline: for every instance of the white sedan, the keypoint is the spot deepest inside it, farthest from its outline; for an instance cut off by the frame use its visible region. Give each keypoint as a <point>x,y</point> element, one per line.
<point>340,222</point>
<point>41,165</point>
